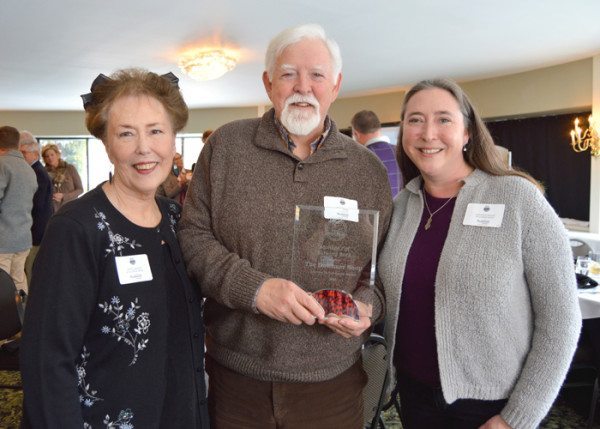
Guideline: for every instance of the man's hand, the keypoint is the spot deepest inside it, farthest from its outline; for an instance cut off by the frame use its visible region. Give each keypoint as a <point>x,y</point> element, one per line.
<point>285,301</point>
<point>347,327</point>
<point>495,422</point>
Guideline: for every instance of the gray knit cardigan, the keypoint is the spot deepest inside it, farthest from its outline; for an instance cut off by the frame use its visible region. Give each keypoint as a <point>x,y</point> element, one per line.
<point>506,310</point>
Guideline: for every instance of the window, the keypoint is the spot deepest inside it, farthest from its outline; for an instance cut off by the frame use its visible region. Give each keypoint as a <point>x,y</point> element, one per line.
<point>89,157</point>
<point>191,150</point>
<point>99,166</point>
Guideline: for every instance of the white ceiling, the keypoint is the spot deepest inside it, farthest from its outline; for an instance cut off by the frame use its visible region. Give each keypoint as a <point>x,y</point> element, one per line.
<point>51,50</point>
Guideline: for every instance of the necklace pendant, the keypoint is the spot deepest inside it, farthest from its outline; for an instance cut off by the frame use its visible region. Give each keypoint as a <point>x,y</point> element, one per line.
<point>428,223</point>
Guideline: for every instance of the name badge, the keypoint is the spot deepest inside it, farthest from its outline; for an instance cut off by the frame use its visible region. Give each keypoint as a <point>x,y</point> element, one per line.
<point>486,215</point>
<point>340,208</point>
<point>133,269</point>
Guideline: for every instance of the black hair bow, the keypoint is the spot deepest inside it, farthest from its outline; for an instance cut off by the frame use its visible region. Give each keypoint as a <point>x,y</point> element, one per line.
<point>101,78</point>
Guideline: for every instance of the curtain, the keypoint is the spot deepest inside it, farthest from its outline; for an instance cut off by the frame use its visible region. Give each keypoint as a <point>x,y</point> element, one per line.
<point>541,146</point>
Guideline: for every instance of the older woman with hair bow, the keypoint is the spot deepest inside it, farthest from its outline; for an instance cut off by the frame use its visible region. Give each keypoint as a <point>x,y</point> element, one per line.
<point>113,335</point>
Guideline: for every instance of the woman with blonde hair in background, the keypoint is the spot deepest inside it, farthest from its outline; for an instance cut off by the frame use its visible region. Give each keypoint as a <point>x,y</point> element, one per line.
<point>66,183</point>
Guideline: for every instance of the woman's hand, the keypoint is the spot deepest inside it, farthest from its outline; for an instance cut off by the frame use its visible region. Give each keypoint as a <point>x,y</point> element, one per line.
<point>495,422</point>
<point>347,327</point>
<point>58,196</point>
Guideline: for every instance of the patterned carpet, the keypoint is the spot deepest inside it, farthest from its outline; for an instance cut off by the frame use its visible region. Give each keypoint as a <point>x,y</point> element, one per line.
<point>562,415</point>
<point>10,401</point>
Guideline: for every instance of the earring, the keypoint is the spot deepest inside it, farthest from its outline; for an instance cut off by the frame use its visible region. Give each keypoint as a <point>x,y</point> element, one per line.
<point>464,148</point>
<point>110,177</point>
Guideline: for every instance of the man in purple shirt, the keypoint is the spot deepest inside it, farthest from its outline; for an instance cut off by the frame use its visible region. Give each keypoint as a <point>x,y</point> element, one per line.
<point>366,130</point>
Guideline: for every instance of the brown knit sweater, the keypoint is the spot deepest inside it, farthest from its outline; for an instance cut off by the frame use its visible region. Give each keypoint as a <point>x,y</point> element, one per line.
<point>237,230</point>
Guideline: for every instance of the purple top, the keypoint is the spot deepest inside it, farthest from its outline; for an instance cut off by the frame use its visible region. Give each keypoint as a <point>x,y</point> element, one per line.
<point>386,152</point>
<point>415,353</point>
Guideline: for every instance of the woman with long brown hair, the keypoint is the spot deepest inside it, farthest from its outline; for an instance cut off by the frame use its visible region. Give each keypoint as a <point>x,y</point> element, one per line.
<point>481,301</point>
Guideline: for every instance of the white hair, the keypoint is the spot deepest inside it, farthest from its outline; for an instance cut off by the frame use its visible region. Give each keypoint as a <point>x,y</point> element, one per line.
<point>27,139</point>
<point>296,34</point>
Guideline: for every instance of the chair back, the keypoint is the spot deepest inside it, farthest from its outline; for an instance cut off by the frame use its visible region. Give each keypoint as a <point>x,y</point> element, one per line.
<point>579,248</point>
<point>10,307</point>
<point>375,364</point>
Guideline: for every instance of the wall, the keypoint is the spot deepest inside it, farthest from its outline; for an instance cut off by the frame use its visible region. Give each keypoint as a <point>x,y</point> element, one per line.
<point>386,106</point>
<point>562,88</point>
<point>72,123</point>
<point>46,123</point>
<point>204,119</point>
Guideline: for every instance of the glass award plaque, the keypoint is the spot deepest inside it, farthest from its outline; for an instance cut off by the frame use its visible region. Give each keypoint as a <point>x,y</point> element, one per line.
<point>334,256</point>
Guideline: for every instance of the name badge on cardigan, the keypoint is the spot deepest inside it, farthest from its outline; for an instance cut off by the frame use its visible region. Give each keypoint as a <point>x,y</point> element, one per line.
<point>133,269</point>
<point>486,215</point>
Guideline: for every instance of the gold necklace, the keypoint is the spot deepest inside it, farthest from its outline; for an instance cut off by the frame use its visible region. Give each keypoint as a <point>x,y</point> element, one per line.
<point>428,223</point>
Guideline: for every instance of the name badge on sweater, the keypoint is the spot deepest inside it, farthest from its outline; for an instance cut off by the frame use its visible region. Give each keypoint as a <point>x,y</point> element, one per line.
<point>486,215</point>
<point>133,269</point>
<point>340,208</point>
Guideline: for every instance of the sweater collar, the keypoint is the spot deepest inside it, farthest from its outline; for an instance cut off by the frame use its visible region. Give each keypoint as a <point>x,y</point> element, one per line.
<point>378,139</point>
<point>313,146</point>
<point>268,137</point>
<point>15,153</point>
<point>472,180</point>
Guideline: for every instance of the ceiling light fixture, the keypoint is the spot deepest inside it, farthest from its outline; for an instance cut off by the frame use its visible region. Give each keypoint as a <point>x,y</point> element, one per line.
<point>583,140</point>
<point>206,64</point>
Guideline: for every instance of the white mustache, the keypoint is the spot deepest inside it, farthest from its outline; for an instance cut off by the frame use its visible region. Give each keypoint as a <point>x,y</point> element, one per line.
<point>298,98</point>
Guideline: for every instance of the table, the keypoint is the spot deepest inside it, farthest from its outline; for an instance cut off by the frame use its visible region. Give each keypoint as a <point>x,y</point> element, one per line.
<point>589,302</point>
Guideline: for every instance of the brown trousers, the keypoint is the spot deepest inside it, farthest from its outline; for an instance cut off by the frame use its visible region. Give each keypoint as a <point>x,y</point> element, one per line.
<point>236,401</point>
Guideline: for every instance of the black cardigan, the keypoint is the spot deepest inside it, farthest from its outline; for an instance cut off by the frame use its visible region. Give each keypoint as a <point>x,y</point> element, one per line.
<point>97,352</point>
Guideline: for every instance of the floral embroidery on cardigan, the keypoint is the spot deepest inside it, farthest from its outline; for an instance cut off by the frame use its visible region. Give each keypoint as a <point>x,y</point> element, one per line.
<point>123,420</point>
<point>117,242</point>
<point>122,325</point>
<point>87,396</point>
<point>174,216</point>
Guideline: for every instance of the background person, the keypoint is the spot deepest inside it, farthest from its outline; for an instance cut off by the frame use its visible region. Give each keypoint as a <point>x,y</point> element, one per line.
<point>178,164</point>
<point>272,359</point>
<point>366,130</point>
<point>42,199</point>
<point>205,135</point>
<point>182,176</point>
<point>170,187</point>
<point>113,334</point>
<point>17,187</point>
<point>482,310</point>
<point>66,183</point>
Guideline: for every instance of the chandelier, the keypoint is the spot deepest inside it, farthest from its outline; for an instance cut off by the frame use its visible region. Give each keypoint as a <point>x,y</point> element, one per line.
<point>206,64</point>
<point>583,140</point>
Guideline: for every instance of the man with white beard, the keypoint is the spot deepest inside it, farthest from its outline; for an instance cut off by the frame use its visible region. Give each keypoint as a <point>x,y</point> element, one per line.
<point>273,359</point>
